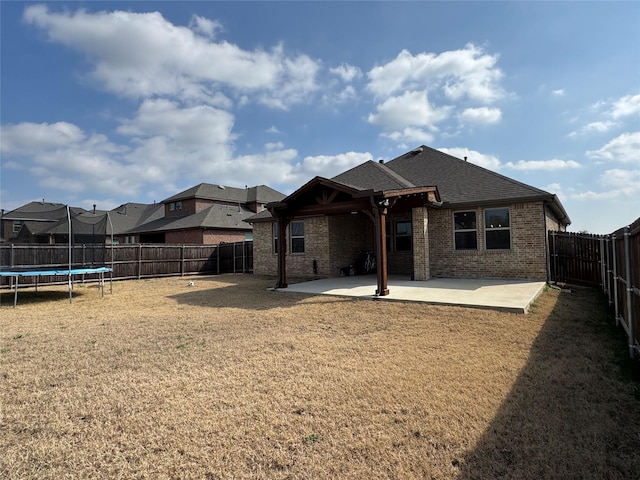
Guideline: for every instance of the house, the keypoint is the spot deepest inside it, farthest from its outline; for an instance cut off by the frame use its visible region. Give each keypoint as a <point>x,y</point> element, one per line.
<point>205,214</point>
<point>130,215</point>
<point>32,222</point>
<point>425,214</point>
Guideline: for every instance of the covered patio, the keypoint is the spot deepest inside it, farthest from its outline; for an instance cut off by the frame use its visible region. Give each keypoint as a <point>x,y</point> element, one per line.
<point>497,294</point>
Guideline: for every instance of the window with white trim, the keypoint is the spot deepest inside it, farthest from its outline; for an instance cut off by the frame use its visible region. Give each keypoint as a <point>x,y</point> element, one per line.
<point>296,230</point>
<point>465,230</point>
<point>497,229</point>
<point>17,225</point>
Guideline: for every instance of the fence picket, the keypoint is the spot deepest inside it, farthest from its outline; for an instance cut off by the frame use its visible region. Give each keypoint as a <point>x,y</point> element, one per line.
<point>611,262</point>
<point>132,261</point>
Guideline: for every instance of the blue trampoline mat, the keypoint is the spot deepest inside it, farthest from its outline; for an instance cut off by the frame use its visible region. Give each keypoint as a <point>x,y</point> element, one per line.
<point>35,273</point>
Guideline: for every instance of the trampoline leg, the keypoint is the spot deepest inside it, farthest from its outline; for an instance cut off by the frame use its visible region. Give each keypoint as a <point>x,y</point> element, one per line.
<point>15,295</point>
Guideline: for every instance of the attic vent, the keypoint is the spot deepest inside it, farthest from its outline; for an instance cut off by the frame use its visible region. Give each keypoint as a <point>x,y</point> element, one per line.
<point>417,151</point>
<point>381,161</point>
<point>221,187</point>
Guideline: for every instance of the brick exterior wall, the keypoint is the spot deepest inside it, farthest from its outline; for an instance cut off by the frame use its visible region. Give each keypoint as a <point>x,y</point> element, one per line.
<point>420,232</point>
<point>316,231</point>
<point>203,237</point>
<point>525,259</point>
<point>184,237</point>
<point>349,234</point>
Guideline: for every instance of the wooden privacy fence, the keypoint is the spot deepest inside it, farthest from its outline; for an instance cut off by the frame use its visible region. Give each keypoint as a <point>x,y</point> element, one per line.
<point>131,261</point>
<point>611,262</point>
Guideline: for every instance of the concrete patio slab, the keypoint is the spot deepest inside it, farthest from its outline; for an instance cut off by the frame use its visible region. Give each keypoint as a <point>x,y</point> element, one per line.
<point>499,294</point>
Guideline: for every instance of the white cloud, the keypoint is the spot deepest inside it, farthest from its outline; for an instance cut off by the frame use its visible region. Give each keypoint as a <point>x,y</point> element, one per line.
<point>143,55</point>
<point>627,181</point>
<point>411,135</point>
<point>558,93</point>
<point>597,127</point>
<point>409,109</point>
<point>487,161</point>
<point>25,138</point>
<point>626,106</point>
<point>554,164</point>
<point>204,26</point>
<point>616,183</point>
<point>466,73</point>
<point>481,115</point>
<point>326,165</point>
<point>624,148</point>
<point>272,129</point>
<point>346,72</point>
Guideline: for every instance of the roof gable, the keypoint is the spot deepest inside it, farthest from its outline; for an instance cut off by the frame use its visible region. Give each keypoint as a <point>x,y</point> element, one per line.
<point>458,181</point>
<point>373,176</point>
<point>208,191</point>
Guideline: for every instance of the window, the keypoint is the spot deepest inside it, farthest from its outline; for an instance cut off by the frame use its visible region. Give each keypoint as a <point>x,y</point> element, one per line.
<point>297,237</point>
<point>465,230</point>
<point>17,225</point>
<point>178,205</point>
<point>130,239</point>
<point>403,236</point>
<point>497,229</point>
<point>172,206</point>
<point>275,237</point>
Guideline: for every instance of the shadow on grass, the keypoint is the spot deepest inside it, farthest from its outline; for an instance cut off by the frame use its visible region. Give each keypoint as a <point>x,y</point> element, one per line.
<point>30,296</point>
<point>247,294</point>
<point>574,411</point>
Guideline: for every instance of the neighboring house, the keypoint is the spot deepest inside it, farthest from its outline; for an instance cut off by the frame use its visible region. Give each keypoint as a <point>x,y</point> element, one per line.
<point>128,216</point>
<point>205,214</point>
<point>425,214</point>
<point>33,222</point>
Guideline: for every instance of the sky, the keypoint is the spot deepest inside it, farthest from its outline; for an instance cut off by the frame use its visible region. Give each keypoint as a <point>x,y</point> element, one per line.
<point>112,102</point>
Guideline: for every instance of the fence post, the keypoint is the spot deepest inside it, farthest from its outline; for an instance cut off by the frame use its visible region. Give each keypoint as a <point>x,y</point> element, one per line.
<point>615,278</point>
<point>233,246</point>
<point>554,276</point>
<point>218,259</point>
<point>602,266</point>
<point>608,255</point>
<point>182,261</point>
<point>629,282</point>
<point>139,261</point>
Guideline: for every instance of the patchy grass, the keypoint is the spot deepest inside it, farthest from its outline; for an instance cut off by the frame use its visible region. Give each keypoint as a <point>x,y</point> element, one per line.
<point>226,380</point>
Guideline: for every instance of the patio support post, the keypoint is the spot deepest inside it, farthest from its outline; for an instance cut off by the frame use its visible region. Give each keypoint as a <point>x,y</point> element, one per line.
<point>283,222</point>
<point>379,221</point>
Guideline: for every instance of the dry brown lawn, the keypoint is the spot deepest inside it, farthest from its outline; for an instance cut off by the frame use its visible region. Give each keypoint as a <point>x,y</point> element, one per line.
<point>227,380</point>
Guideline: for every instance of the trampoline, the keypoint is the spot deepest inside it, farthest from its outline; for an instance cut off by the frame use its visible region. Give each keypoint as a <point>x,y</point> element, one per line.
<point>66,272</point>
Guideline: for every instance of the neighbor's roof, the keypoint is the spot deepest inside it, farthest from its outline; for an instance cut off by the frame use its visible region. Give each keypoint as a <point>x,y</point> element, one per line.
<point>214,217</point>
<point>128,215</point>
<point>208,191</point>
<point>41,211</point>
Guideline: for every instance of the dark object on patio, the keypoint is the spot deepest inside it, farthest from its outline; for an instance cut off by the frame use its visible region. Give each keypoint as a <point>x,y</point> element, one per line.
<point>363,263</point>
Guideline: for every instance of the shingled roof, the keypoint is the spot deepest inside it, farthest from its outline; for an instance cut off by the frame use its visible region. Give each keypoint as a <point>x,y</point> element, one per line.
<point>214,217</point>
<point>208,191</point>
<point>458,182</point>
